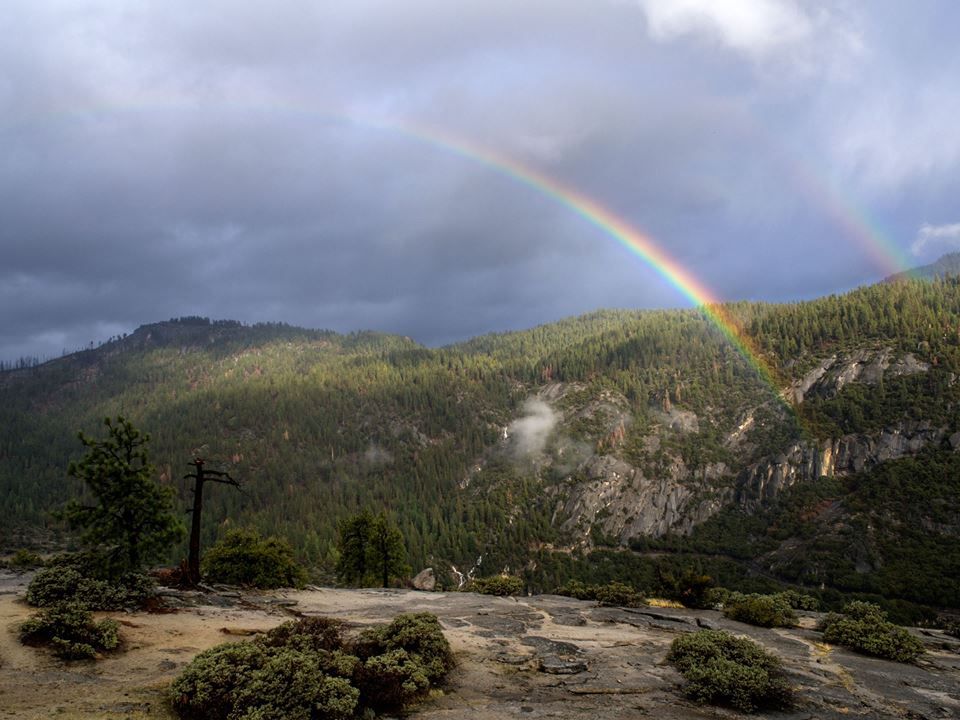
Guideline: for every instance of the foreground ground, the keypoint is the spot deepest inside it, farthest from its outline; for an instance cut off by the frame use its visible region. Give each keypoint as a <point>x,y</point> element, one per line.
<point>536,657</point>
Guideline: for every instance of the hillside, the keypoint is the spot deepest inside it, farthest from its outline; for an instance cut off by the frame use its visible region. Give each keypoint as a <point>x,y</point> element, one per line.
<point>627,443</point>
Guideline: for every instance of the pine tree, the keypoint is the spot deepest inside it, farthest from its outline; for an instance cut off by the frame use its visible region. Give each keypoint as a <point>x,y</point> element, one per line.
<point>132,521</point>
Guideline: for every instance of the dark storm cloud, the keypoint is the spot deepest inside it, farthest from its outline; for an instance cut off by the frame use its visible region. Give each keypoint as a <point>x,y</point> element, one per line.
<point>164,159</point>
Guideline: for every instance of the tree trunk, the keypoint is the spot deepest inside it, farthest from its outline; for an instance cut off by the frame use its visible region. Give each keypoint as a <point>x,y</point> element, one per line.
<point>193,559</point>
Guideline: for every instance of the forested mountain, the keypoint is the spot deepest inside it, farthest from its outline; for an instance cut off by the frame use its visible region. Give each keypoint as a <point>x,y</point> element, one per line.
<point>617,443</point>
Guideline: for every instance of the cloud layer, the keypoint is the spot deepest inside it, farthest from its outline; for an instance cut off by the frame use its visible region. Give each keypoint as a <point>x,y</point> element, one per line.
<point>239,160</point>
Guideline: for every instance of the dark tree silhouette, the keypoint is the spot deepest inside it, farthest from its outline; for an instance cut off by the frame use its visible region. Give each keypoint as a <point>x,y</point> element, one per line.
<point>132,522</point>
<point>371,550</point>
<point>200,476</point>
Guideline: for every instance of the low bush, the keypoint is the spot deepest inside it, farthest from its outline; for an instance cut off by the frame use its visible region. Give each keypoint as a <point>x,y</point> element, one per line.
<point>418,634</point>
<point>800,601</point>
<point>497,585</point>
<point>619,595</point>
<point>761,610</point>
<point>209,686</point>
<point>310,668</point>
<point>576,589</point>
<point>24,559</point>
<point>243,557</point>
<point>69,629</point>
<point>864,627</point>
<point>723,669</point>
<point>952,628</point>
<point>613,593</point>
<point>717,597</point>
<point>308,634</point>
<point>65,582</point>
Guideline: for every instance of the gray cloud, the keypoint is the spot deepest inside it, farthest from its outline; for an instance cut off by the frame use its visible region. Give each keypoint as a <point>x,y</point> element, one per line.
<point>164,159</point>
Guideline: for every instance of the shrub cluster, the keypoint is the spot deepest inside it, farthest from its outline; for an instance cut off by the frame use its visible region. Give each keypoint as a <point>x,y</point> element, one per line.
<point>952,628</point>
<point>23,559</point>
<point>726,670</point>
<point>864,627</point>
<point>497,585</point>
<point>613,593</point>
<point>762,610</point>
<point>309,668</point>
<point>65,582</point>
<point>243,557</point>
<point>69,629</point>
<point>800,601</point>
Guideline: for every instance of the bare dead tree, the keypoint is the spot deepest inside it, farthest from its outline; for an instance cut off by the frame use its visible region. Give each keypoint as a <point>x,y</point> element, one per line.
<point>201,475</point>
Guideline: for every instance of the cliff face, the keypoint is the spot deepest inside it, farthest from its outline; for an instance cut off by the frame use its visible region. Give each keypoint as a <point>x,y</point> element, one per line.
<point>622,502</point>
<point>869,366</point>
<point>801,462</point>
<point>612,495</point>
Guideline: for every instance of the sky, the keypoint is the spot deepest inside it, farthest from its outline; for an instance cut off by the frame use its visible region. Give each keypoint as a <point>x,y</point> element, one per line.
<point>321,163</point>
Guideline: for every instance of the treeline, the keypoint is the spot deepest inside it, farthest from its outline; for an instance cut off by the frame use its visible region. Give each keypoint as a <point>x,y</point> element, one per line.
<point>320,426</point>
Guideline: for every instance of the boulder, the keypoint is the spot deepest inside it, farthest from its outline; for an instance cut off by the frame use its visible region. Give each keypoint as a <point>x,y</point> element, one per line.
<point>425,580</point>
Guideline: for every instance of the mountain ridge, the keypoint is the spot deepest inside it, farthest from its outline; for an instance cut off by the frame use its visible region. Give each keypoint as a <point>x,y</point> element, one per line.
<point>614,430</point>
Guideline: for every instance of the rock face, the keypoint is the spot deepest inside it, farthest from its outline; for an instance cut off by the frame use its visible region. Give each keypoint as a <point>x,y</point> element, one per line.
<point>805,461</point>
<point>608,484</point>
<point>866,366</point>
<point>425,580</point>
<point>513,659</point>
<point>623,502</point>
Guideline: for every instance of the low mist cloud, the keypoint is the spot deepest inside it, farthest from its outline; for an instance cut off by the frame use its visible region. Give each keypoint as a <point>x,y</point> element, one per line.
<point>376,455</point>
<point>529,433</point>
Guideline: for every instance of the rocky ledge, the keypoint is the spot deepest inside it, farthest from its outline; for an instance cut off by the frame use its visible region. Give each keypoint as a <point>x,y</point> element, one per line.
<point>535,657</point>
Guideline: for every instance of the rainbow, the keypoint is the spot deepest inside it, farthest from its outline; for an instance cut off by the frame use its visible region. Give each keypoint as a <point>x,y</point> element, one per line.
<point>855,222</point>
<point>633,240</point>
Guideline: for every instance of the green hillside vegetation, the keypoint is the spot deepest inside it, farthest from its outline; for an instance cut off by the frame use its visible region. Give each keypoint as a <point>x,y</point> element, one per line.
<point>319,427</point>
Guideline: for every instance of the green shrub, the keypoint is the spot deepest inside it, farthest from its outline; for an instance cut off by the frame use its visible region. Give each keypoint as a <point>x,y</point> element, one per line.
<point>619,595</point>
<point>718,597</point>
<point>308,634</point>
<point>762,610</point>
<point>800,601</point>
<point>613,593</point>
<point>209,686</point>
<point>69,629</point>
<point>388,682</point>
<point>576,589</point>
<point>497,585</point>
<point>243,557</point>
<point>24,559</point>
<point>952,628</point>
<point>295,687</point>
<point>864,627</point>
<point>61,582</point>
<point>418,634</point>
<point>308,669</point>
<point>726,670</point>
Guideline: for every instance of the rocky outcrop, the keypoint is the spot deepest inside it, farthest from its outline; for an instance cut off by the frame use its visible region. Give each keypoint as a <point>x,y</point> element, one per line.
<point>865,365</point>
<point>804,461</point>
<point>622,502</point>
<point>516,658</point>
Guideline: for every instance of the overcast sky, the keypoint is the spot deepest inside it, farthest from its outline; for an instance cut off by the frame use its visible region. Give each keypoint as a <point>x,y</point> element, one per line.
<point>262,160</point>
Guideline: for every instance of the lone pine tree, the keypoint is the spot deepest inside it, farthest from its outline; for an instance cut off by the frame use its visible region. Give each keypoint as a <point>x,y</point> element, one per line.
<point>130,521</point>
